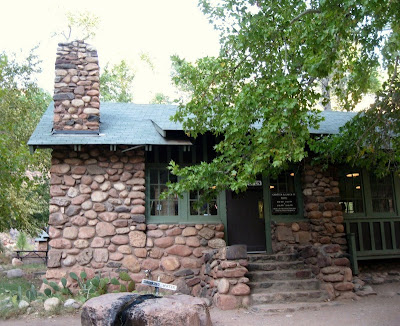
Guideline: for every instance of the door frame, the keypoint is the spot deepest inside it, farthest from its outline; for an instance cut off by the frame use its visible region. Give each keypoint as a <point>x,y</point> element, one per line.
<point>267,215</point>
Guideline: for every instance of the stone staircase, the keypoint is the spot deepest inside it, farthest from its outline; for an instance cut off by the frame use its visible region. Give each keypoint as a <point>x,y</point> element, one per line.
<point>282,279</point>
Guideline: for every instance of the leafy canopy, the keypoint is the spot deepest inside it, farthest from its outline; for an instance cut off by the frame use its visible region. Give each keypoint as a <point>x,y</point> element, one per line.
<point>116,83</point>
<point>23,177</point>
<point>260,94</point>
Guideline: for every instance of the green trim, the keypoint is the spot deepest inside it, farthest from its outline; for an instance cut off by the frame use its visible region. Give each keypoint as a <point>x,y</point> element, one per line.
<point>385,252</point>
<point>267,215</point>
<point>351,239</point>
<point>396,183</point>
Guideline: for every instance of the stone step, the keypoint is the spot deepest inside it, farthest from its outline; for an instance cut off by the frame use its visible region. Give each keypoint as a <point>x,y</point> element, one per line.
<point>274,308</point>
<point>260,276</point>
<point>284,285</point>
<point>276,265</point>
<point>290,296</point>
<point>277,257</point>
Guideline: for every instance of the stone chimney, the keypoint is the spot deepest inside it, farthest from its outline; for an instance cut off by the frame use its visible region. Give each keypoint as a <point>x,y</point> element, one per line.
<point>76,89</point>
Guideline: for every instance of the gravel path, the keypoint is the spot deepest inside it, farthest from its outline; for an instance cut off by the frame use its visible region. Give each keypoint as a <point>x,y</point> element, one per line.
<point>382,309</point>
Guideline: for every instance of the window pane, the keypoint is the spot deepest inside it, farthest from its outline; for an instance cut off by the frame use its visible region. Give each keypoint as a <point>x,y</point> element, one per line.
<point>382,194</point>
<point>158,179</point>
<point>204,209</point>
<point>163,176</point>
<point>175,209</point>
<point>154,193</point>
<point>153,176</point>
<point>194,195</point>
<point>173,178</point>
<point>152,207</point>
<point>351,192</point>
<point>213,208</point>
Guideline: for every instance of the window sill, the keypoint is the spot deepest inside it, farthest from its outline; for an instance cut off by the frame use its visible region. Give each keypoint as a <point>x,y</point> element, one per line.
<point>177,220</point>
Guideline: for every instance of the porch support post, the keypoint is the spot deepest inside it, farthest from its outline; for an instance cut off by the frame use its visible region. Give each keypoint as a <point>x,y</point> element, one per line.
<point>351,240</point>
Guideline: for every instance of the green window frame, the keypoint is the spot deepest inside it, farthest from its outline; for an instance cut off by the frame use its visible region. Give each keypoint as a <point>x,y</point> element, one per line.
<point>288,181</point>
<point>378,197</point>
<point>181,211</point>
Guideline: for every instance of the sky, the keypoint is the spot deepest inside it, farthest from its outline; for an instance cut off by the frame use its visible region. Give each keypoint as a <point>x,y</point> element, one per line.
<point>127,28</point>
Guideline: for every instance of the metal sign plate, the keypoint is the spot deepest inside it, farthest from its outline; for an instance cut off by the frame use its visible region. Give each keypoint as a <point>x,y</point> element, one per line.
<point>159,285</point>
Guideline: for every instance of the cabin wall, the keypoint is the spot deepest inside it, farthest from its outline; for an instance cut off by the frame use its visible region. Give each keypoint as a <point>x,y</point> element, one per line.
<point>97,224</point>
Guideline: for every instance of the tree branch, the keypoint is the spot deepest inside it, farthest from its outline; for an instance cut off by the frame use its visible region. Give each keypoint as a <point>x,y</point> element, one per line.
<point>308,11</point>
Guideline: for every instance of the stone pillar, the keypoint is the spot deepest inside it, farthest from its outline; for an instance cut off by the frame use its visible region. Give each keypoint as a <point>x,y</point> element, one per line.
<point>322,208</point>
<point>323,213</point>
<point>76,88</point>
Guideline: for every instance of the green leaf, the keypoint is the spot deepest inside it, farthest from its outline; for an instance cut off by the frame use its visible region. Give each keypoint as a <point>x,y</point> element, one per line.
<point>114,281</point>
<point>95,281</point>
<point>83,275</point>
<point>54,286</point>
<point>73,276</point>
<point>124,276</point>
<point>131,286</point>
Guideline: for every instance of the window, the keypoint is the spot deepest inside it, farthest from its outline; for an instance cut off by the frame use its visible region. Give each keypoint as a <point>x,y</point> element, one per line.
<point>158,181</point>
<point>364,194</point>
<point>179,209</point>
<point>382,194</point>
<point>210,208</point>
<point>351,192</point>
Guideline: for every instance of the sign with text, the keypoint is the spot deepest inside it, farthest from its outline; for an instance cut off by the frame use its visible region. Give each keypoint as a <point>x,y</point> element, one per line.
<point>257,183</point>
<point>284,203</point>
<point>157,284</point>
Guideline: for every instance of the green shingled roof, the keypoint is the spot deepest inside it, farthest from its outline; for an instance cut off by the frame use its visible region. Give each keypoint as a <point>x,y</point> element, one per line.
<point>143,124</point>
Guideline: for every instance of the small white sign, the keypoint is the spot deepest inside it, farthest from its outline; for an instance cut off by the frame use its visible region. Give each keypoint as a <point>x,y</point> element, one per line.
<point>159,285</point>
<point>257,183</point>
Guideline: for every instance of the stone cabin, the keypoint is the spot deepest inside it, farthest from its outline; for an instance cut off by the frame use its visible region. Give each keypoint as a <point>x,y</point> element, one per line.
<point>109,167</point>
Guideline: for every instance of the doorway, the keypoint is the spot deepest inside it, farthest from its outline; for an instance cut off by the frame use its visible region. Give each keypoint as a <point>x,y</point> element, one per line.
<point>246,219</point>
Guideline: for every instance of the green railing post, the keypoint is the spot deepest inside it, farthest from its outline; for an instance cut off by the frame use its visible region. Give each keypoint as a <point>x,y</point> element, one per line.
<point>351,241</point>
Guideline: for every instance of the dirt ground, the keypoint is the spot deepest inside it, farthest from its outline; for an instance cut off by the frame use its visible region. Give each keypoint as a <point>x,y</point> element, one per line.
<point>382,309</point>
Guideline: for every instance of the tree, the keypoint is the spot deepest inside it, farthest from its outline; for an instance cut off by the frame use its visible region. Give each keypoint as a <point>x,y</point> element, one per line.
<point>259,95</point>
<point>22,103</point>
<point>160,98</point>
<point>116,83</point>
<point>81,25</point>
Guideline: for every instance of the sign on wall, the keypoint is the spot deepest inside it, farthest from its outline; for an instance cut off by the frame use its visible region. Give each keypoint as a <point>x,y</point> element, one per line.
<point>284,203</point>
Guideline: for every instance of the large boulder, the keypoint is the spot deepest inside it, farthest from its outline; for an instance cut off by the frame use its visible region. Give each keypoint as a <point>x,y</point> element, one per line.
<point>174,310</point>
<point>132,309</point>
<point>103,310</point>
